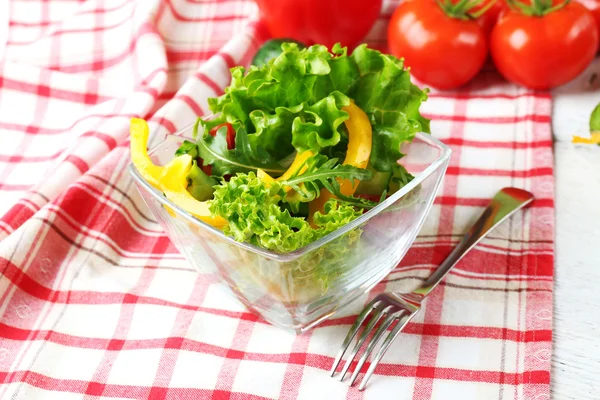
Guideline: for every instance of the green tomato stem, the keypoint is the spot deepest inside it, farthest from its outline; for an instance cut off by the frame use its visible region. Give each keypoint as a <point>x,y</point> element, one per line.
<point>462,9</point>
<point>479,13</point>
<point>537,8</point>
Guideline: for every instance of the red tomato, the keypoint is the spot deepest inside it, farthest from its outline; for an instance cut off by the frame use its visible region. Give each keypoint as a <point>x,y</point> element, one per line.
<point>594,7</point>
<point>230,134</point>
<point>207,169</point>
<point>544,52</point>
<point>320,21</point>
<point>442,51</point>
<point>230,143</point>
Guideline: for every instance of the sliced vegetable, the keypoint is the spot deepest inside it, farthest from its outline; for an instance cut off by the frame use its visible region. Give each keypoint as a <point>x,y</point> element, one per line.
<point>595,119</point>
<point>298,167</point>
<point>229,138</point>
<point>200,185</point>
<point>170,179</point>
<point>593,139</point>
<point>359,150</point>
<point>139,133</point>
<point>173,184</point>
<point>360,142</point>
<point>376,185</point>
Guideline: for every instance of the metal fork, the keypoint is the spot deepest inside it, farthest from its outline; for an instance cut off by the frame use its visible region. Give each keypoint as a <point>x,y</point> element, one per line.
<point>402,307</point>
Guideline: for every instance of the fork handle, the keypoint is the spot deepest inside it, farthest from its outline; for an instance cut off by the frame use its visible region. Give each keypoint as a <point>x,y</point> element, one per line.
<point>505,203</point>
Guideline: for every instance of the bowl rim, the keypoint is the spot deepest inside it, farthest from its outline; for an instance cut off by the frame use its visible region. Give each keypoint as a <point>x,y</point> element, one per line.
<point>439,162</point>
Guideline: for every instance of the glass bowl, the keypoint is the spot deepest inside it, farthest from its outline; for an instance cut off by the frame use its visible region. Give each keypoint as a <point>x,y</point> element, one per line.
<point>298,290</point>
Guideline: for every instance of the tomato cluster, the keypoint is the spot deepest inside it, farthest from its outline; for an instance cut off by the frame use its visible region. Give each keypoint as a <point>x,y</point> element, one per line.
<point>540,45</point>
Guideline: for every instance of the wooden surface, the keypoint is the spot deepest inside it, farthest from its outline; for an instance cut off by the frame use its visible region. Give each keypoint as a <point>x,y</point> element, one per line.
<point>576,356</point>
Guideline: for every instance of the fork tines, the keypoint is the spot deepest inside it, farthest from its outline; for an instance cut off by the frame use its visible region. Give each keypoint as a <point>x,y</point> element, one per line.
<point>385,314</point>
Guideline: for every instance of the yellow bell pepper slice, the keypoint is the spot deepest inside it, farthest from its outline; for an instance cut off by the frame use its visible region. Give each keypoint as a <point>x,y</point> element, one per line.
<point>170,179</point>
<point>263,176</point>
<point>593,139</point>
<point>174,182</point>
<point>297,166</point>
<point>139,133</point>
<point>360,143</point>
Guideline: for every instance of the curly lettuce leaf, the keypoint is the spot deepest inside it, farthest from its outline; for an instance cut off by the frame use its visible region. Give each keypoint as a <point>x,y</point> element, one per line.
<point>295,102</point>
<point>318,127</point>
<point>254,215</point>
<point>312,127</point>
<point>282,105</point>
<point>324,267</point>
<point>384,91</point>
<point>336,215</point>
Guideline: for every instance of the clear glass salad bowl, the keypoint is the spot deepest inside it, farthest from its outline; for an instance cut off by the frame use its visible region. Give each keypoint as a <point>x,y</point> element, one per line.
<point>298,290</point>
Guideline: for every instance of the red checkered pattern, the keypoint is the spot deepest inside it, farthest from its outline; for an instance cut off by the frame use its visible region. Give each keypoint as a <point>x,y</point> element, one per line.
<point>96,302</point>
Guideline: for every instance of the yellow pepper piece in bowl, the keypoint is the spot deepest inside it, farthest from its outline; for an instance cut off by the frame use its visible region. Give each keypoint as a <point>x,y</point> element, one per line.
<point>139,132</point>
<point>170,179</point>
<point>360,142</point>
<point>298,166</point>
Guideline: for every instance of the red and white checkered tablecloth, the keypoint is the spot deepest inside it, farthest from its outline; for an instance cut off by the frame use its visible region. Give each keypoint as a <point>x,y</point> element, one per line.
<point>96,302</point>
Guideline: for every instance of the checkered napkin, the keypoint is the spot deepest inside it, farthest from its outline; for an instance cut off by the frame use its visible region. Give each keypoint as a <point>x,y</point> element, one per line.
<point>96,302</point>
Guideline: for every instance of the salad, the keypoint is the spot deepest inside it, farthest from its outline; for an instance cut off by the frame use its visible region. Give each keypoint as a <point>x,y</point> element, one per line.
<point>297,147</point>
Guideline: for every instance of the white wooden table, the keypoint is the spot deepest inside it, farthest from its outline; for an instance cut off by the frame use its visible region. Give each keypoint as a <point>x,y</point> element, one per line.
<point>576,357</point>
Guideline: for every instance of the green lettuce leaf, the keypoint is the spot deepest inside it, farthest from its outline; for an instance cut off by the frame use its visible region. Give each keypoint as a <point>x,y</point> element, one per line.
<point>254,215</point>
<point>213,150</point>
<point>281,106</point>
<point>200,185</point>
<point>386,148</point>
<point>384,91</point>
<point>336,215</point>
<point>325,173</point>
<point>400,177</point>
<point>295,102</point>
<point>187,147</point>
